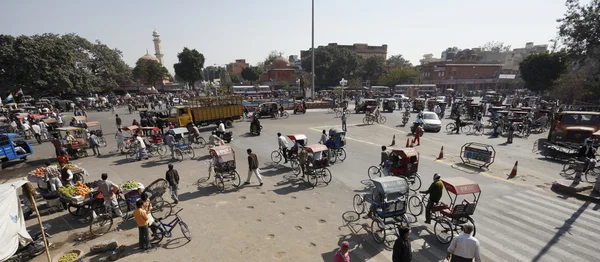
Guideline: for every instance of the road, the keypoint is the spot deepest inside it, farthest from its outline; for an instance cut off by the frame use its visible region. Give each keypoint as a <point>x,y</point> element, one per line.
<point>517,219</point>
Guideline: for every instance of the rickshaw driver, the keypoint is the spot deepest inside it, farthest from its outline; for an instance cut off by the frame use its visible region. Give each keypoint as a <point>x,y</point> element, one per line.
<point>437,110</point>
<point>283,145</point>
<point>195,131</point>
<point>384,157</point>
<point>587,153</point>
<point>435,194</point>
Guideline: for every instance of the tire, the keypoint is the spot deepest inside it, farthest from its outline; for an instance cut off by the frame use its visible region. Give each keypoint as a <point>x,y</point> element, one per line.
<point>450,127</point>
<point>285,115</point>
<point>370,121</point>
<point>235,179</point>
<point>592,175</point>
<point>358,203</point>
<point>158,236</point>
<point>161,209</point>
<point>326,175</point>
<point>219,183</point>
<point>131,154</point>
<point>190,152</point>
<point>378,231</point>
<point>313,180</point>
<point>276,156</point>
<point>185,230</point>
<point>443,231</point>
<point>341,154</point>
<point>569,167</point>
<point>365,120</point>
<point>382,120</point>
<point>479,131</point>
<point>77,211</point>
<point>338,113</point>
<point>334,157</point>
<point>161,149</point>
<point>415,205</point>
<point>329,110</point>
<point>465,129</point>
<point>124,207</point>
<point>228,124</point>
<point>374,172</point>
<point>179,155</point>
<point>201,142</point>
<point>464,220</point>
<point>101,224</point>
<point>78,177</point>
<point>415,182</point>
<point>296,169</point>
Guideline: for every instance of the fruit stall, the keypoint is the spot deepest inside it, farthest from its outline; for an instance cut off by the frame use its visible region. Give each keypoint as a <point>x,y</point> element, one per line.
<point>37,176</point>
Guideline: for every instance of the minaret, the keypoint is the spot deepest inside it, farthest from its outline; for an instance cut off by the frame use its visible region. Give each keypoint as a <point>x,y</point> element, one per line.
<point>157,46</point>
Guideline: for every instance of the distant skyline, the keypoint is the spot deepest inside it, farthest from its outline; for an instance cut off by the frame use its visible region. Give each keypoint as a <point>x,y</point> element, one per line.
<point>232,29</point>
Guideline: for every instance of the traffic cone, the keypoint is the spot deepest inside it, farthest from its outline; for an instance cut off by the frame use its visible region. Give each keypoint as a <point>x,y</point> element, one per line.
<point>412,143</point>
<point>393,141</point>
<point>513,173</point>
<point>441,153</point>
<point>407,142</point>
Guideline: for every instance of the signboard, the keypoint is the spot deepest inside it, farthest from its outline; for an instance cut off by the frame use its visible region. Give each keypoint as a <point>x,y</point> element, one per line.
<point>476,154</point>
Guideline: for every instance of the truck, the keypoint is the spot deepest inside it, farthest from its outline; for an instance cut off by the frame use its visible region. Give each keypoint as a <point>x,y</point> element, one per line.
<point>204,111</point>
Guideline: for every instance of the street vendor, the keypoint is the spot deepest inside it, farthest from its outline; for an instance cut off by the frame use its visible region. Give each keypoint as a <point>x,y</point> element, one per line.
<point>66,175</point>
<point>51,176</point>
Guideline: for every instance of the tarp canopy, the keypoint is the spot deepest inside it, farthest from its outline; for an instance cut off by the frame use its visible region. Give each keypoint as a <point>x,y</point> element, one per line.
<point>12,223</point>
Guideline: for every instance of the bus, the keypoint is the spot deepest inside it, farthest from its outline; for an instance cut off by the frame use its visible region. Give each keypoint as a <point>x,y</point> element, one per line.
<point>380,90</point>
<point>423,88</point>
<point>252,90</point>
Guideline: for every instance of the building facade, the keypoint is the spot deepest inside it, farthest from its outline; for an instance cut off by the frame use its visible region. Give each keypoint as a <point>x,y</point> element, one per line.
<point>362,50</point>
<point>279,74</point>
<point>237,66</point>
<point>460,76</point>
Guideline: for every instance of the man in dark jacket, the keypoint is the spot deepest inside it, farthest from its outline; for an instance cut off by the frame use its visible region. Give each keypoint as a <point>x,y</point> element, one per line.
<point>253,167</point>
<point>587,153</point>
<point>173,178</point>
<point>402,251</point>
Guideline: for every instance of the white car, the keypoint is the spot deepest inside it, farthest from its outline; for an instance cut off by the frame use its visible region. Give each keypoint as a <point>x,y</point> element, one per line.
<point>400,97</point>
<point>431,122</point>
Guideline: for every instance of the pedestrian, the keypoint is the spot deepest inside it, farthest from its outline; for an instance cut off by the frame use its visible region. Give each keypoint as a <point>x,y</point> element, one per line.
<point>323,139</point>
<point>141,218</point>
<point>464,247</point>
<point>118,121</point>
<point>173,178</point>
<point>283,145</point>
<point>120,140</point>
<point>385,156</point>
<point>342,255</point>
<point>402,251</point>
<point>142,153</point>
<point>37,130</point>
<point>94,142</point>
<point>44,129</point>
<point>58,147</point>
<point>303,159</point>
<point>457,123</point>
<point>418,133</point>
<point>170,140</point>
<point>107,188</point>
<point>511,132</point>
<point>253,167</point>
<point>344,121</point>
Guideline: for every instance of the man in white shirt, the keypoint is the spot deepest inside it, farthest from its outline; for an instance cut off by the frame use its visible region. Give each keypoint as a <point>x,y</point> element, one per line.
<point>221,129</point>
<point>283,145</point>
<point>464,247</point>
<point>44,129</point>
<point>141,147</point>
<point>37,130</point>
<point>323,138</point>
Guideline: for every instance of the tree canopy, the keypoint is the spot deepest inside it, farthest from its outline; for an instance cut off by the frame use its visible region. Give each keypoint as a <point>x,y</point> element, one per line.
<point>274,54</point>
<point>496,47</point>
<point>251,73</point>
<point>149,71</point>
<point>332,64</point>
<point>372,67</point>
<point>60,64</point>
<point>539,71</point>
<point>398,76</point>
<point>397,61</point>
<point>189,67</point>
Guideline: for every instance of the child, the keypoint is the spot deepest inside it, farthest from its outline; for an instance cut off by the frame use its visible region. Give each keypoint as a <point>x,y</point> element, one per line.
<point>141,218</point>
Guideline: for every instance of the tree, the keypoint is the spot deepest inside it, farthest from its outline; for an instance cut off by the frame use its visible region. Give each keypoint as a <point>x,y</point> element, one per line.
<point>397,61</point>
<point>149,71</point>
<point>226,83</point>
<point>251,73</point>
<point>373,67</point>
<point>355,83</point>
<point>495,47</point>
<point>332,64</point>
<point>274,54</point>
<point>236,79</point>
<point>539,71</point>
<point>189,67</point>
<point>398,76</point>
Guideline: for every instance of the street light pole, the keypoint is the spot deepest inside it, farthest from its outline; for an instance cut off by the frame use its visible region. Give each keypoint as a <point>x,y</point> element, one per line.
<point>313,51</point>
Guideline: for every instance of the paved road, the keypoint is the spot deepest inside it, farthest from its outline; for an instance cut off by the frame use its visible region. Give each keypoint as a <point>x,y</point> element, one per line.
<point>517,220</point>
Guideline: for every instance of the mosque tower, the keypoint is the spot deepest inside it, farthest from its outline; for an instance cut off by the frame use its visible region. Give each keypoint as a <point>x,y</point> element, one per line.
<point>157,47</point>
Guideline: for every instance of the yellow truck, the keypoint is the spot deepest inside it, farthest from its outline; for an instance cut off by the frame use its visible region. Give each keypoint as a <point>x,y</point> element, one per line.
<point>204,111</point>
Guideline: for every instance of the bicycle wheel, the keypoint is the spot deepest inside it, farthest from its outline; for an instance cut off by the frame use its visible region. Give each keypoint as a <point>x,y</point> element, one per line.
<point>190,152</point>
<point>235,178</point>
<point>132,154</point>
<point>103,142</point>
<point>161,209</point>
<point>161,149</point>
<point>276,156</point>
<point>382,119</point>
<point>415,206</point>
<point>465,128</point>
<point>326,175</point>
<point>201,142</point>
<point>341,154</point>
<point>450,127</point>
<point>78,211</point>
<point>569,167</point>
<point>378,231</point>
<point>78,177</point>
<point>338,113</point>
<point>313,180</point>
<point>443,231</point>
<point>463,220</point>
<point>592,175</point>
<point>285,115</point>
<point>219,182</point>
<point>370,120</point>
<point>415,181</point>
<point>179,154</point>
<point>185,230</point>
<point>365,120</point>
<point>101,224</point>
<point>158,236</point>
<point>358,202</point>
<point>374,172</point>
<point>478,130</point>
<point>330,110</point>
<point>296,169</point>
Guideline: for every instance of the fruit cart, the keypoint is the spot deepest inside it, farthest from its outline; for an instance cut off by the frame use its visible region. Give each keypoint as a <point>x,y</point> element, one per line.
<point>37,175</point>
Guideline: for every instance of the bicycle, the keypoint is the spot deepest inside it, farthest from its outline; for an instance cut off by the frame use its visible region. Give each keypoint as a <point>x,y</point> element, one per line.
<point>369,120</point>
<point>339,113</point>
<point>464,127</point>
<point>338,153</point>
<point>198,140</point>
<point>284,114</point>
<point>182,150</point>
<point>591,174</point>
<point>277,156</point>
<point>165,229</point>
<point>375,171</point>
<point>101,221</point>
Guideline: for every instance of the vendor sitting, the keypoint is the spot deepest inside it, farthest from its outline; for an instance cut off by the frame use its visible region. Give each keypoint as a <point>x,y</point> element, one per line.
<point>70,138</point>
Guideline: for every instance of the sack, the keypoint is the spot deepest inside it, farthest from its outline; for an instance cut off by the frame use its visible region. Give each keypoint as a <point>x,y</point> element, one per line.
<point>150,219</point>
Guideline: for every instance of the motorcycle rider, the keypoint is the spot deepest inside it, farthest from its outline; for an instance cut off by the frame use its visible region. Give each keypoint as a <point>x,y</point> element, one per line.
<point>418,122</point>
<point>438,111</point>
<point>255,125</point>
<point>221,129</point>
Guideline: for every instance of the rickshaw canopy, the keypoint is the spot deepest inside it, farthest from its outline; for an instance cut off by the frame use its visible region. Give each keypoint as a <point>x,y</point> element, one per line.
<point>461,186</point>
<point>222,150</point>
<point>179,130</point>
<point>316,148</point>
<point>405,152</point>
<point>80,118</point>
<point>391,185</point>
<point>69,128</point>
<point>335,131</point>
<point>295,137</point>
<point>93,124</point>
<point>130,128</point>
<point>156,129</point>
<point>50,121</point>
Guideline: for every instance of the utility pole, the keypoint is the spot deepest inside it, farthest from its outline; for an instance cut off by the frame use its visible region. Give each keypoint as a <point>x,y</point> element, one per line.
<point>313,51</point>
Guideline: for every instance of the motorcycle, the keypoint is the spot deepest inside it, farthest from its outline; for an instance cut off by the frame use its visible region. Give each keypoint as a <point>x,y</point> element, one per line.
<point>253,128</point>
<point>227,136</point>
<point>32,249</point>
<point>405,118</point>
<point>302,111</point>
<point>414,127</point>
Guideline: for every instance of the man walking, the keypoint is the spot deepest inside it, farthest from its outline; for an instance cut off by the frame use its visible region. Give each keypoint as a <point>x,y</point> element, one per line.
<point>464,247</point>
<point>107,188</point>
<point>344,121</point>
<point>435,194</point>
<point>253,167</point>
<point>283,145</point>
<point>37,130</point>
<point>402,251</point>
<point>118,121</point>
<point>170,140</point>
<point>94,142</point>
<point>511,132</point>
<point>173,178</point>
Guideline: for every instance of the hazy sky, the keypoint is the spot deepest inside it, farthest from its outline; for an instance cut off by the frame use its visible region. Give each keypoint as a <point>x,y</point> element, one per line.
<point>228,29</point>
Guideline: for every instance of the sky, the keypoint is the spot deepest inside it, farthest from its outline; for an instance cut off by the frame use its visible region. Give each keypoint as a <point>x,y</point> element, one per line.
<point>226,30</point>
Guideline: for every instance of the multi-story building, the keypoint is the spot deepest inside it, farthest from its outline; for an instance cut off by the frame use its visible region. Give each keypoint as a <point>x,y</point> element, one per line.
<point>362,50</point>
<point>468,76</point>
<point>237,66</point>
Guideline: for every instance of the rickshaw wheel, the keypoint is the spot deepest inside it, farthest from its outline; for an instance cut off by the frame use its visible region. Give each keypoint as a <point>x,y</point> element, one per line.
<point>161,209</point>
<point>371,120</point>
<point>415,181</point>
<point>296,169</point>
<point>101,224</point>
<point>201,142</point>
<point>285,115</point>
<point>382,120</point>
<point>131,154</point>
<point>465,128</point>
<point>325,175</point>
<point>415,206</point>
<point>443,231</point>
<point>374,172</point>
<point>450,127</point>
<point>569,167</point>
<point>78,177</point>
<point>365,120</point>
<point>378,231</point>
<point>161,149</point>
<point>179,155</point>
<point>276,156</point>
<point>190,151</point>
<point>219,183</point>
<point>358,202</point>
<point>235,178</point>
<point>341,154</point>
<point>313,180</point>
<point>103,142</point>
<point>463,220</point>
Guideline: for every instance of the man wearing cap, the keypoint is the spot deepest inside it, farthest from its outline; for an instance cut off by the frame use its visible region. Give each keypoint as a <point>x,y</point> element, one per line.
<point>343,254</point>
<point>435,194</point>
<point>464,247</point>
<point>402,251</point>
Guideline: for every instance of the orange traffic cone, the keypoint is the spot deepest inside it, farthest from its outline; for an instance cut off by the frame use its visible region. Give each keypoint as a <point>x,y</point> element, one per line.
<point>441,153</point>
<point>513,173</point>
<point>407,142</point>
<point>393,141</point>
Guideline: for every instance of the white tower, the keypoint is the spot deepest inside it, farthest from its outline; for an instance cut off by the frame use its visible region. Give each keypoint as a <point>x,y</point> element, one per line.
<point>157,46</point>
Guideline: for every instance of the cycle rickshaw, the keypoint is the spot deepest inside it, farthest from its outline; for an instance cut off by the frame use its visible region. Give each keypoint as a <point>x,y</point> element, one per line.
<point>97,128</point>
<point>277,155</point>
<point>316,167</point>
<point>449,219</point>
<point>387,207</point>
<point>404,162</point>
<point>183,147</point>
<point>224,169</point>
<point>339,142</point>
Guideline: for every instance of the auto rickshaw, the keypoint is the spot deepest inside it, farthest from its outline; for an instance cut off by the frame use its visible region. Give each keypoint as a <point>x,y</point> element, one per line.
<point>268,109</point>
<point>13,147</point>
<point>97,128</point>
<point>339,142</point>
<point>418,104</point>
<point>404,163</point>
<point>77,147</point>
<point>366,105</point>
<point>318,161</point>
<point>223,166</point>
<point>389,104</point>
